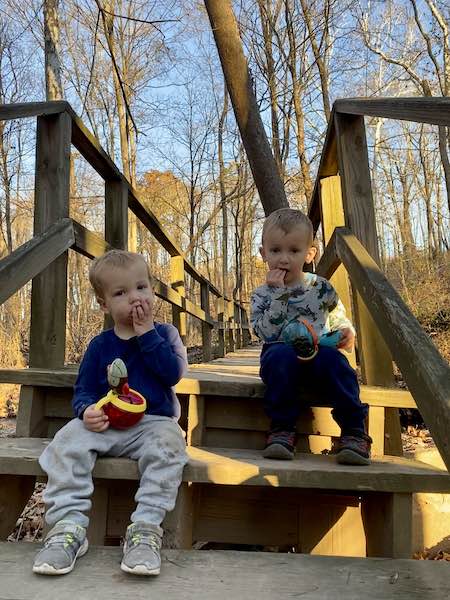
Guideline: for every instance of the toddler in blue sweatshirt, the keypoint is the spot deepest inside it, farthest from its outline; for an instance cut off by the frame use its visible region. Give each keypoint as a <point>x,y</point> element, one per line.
<point>156,360</point>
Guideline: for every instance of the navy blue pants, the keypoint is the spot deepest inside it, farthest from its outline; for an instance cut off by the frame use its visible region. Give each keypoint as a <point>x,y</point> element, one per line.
<point>329,374</point>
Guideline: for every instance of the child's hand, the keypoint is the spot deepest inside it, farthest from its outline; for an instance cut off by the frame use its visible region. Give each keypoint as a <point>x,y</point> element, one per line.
<point>347,340</point>
<point>275,277</point>
<point>142,314</point>
<point>95,419</point>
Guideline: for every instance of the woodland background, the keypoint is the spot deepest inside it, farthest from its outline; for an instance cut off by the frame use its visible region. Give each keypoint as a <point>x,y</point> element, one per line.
<point>146,79</point>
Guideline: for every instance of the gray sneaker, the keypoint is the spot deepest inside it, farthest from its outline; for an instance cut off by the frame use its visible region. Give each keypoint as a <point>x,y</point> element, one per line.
<point>141,550</point>
<point>62,546</point>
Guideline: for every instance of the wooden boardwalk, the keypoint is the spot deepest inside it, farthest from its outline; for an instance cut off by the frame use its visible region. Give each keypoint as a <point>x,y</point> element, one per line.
<point>220,575</point>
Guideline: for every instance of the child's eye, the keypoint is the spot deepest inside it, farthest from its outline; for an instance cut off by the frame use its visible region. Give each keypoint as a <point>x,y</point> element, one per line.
<point>142,286</point>
<point>118,293</point>
<point>274,250</point>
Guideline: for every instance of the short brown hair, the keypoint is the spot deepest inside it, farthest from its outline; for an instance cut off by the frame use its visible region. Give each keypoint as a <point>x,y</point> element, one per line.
<point>112,258</point>
<point>288,219</point>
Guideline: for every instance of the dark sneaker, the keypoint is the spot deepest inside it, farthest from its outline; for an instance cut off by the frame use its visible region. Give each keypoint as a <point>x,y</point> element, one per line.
<point>141,550</point>
<point>280,444</point>
<point>62,546</point>
<point>353,449</point>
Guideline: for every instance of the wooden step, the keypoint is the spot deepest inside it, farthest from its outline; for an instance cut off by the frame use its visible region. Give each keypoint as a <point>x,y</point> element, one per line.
<point>209,379</point>
<point>220,575</point>
<point>226,466</point>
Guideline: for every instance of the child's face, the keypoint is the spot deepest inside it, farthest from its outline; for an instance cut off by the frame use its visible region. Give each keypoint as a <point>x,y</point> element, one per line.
<point>123,289</point>
<point>288,252</point>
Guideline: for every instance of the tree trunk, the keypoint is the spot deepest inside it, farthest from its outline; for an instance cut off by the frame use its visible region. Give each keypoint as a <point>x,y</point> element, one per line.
<point>239,83</point>
<point>53,86</point>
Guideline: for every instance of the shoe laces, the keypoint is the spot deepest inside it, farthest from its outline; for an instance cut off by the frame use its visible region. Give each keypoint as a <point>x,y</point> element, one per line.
<point>149,539</point>
<point>67,539</point>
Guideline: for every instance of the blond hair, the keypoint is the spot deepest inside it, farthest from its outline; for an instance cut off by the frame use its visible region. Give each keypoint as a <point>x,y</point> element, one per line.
<point>113,258</point>
<point>288,219</point>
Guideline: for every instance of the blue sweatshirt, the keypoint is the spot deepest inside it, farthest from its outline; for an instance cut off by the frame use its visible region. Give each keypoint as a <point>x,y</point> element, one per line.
<point>156,361</point>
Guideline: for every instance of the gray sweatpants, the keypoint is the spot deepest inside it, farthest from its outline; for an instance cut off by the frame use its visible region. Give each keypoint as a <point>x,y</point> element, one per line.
<point>156,442</point>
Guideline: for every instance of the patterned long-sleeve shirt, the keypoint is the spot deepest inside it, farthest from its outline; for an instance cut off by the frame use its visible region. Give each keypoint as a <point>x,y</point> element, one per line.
<point>314,300</point>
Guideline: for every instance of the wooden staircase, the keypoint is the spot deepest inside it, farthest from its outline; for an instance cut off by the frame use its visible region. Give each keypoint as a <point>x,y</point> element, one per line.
<point>230,494</point>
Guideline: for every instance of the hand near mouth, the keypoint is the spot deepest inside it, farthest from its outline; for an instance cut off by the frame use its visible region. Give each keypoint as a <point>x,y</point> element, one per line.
<point>142,315</point>
<point>275,277</point>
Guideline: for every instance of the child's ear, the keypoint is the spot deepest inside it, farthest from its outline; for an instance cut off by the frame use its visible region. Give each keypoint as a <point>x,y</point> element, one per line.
<point>102,305</point>
<point>263,254</point>
<point>310,255</point>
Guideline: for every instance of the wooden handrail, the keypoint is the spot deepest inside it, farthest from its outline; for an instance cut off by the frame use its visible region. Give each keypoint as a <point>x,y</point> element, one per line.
<point>423,368</point>
<point>435,111</point>
<point>91,244</point>
<point>33,257</point>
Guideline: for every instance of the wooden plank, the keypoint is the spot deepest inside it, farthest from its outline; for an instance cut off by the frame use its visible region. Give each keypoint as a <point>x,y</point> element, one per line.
<point>435,111</point>
<point>225,466</point>
<point>209,382</point>
<point>49,288</point>
<point>387,521</point>
<point>329,528</point>
<point>21,110</point>
<point>425,371</point>
<point>227,574</point>
<point>88,243</point>
<point>33,257</point>
<point>333,216</point>
<point>234,414</point>
<point>89,147</point>
<point>171,295</point>
<point>247,515</point>
<point>255,440</point>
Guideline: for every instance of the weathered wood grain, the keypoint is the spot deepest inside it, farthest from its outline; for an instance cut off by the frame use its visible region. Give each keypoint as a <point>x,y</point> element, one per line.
<point>88,243</point>
<point>209,381</point>
<point>229,466</point>
<point>220,575</point>
<point>33,257</point>
<point>49,288</point>
<point>22,110</point>
<point>435,111</point>
<point>423,368</point>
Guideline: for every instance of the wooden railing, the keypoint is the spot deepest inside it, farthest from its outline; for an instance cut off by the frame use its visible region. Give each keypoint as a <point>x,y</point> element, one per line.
<point>386,328</point>
<point>44,258</point>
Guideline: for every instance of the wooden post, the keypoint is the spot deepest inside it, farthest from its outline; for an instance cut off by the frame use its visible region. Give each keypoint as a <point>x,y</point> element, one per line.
<point>116,214</point>
<point>353,162</point>
<point>177,282</point>
<point>51,203</point>
<point>237,320</point>
<point>333,216</point>
<point>387,519</point>
<point>229,311</point>
<point>245,332</point>
<point>221,319</point>
<point>206,328</point>
<point>196,420</point>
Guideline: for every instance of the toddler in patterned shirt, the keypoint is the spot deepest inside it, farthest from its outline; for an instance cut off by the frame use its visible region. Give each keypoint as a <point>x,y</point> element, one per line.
<point>288,294</point>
